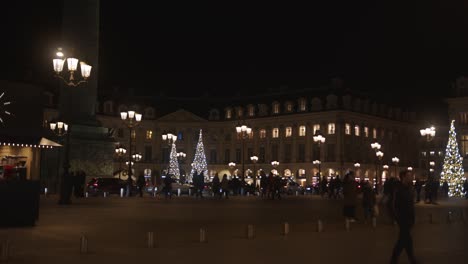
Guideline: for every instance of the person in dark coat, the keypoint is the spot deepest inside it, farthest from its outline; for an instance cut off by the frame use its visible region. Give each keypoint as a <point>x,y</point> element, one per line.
<point>350,197</point>
<point>445,188</point>
<point>141,184</point>
<point>263,184</point>
<point>403,208</point>
<point>368,200</point>
<point>428,191</point>
<point>225,186</point>
<point>168,187</point>
<point>418,186</point>
<point>465,188</point>
<point>337,187</point>
<point>216,186</point>
<point>200,185</point>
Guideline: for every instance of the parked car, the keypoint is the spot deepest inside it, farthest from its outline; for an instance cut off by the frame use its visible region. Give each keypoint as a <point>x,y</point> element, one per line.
<point>97,186</point>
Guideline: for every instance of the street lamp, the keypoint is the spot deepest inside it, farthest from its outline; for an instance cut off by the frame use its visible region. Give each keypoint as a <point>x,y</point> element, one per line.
<point>120,151</point>
<point>254,160</point>
<point>376,147</point>
<point>410,168</point>
<point>379,154</point>
<point>136,157</point>
<point>131,119</point>
<point>72,64</point>
<point>395,161</point>
<point>61,129</point>
<point>170,139</point>
<point>181,156</point>
<point>319,139</point>
<point>232,166</point>
<point>243,131</point>
<point>275,164</point>
<point>428,133</point>
<point>356,167</point>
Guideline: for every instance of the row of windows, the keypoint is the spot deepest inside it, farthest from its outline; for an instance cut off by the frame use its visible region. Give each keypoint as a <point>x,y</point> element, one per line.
<point>288,132</point>
<point>149,134</point>
<point>276,109</point>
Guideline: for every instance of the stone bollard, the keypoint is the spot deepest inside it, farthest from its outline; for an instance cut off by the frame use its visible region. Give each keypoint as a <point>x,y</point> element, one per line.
<point>285,228</point>
<point>347,224</point>
<point>374,222</point>
<point>202,235</point>
<point>250,232</point>
<point>121,192</point>
<point>150,239</point>
<point>5,251</point>
<point>430,219</point>
<point>319,226</point>
<point>83,245</point>
<point>449,217</point>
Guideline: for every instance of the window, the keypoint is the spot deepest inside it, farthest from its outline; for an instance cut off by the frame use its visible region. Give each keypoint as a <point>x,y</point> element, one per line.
<point>149,134</point>
<point>302,131</point>
<point>464,146</point>
<point>276,108</point>
<point>288,131</point>
<point>274,152</point>
<point>287,153</point>
<point>331,128</point>
<point>240,112</point>
<point>347,129</point>
<point>120,133</point>
<point>238,155</point>
<point>251,111</point>
<point>357,132</point>
<point>301,153</point>
<point>302,105</point>
<point>148,153</point>
<point>213,156</point>
<point>423,153</point>
<point>316,128</point>
<point>289,107</point>
<point>275,133</point>
<point>251,134</point>
<point>366,131</point>
<point>228,114</point>
<point>133,134</point>
<point>180,136</point>
<point>262,133</point>
<point>227,156</point>
<point>261,155</point>
<point>374,133</point>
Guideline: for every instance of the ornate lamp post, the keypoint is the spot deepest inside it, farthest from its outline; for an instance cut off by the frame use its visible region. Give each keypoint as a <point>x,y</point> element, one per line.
<point>181,156</point>
<point>243,132</point>
<point>275,164</point>
<point>356,167</point>
<point>120,151</point>
<point>254,160</point>
<point>131,119</point>
<point>395,161</point>
<point>170,139</point>
<point>318,162</point>
<point>379,154</point>
<point>385,167</point>
<point>319,139</point>
<point>72,64</point>
<point>376,147</point>
<point>61,129</point>
<point>428,133</point>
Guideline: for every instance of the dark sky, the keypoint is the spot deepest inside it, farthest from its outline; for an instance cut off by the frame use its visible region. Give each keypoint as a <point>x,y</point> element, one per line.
<point>180,49</point>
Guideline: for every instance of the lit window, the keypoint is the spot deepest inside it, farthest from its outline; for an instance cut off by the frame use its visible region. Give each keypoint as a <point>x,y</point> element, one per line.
<point>262,133</point>
<point>302,131</point>
<point>347,129</point>
<point>276,108</point>
<point>149,134</point>
<point>357,131</point>
<point>251,134</point>
<point>331,128</point>
<point>316,128</point>
<point>423,153</point>
<point>240,112</point>
<point>133,134</point>
<point>288,131</point>
<point>302,105</point>
<point>275,133</point>
<point>251,111</point>
<point>228,114</point>
<point>374,133</point>
<point>289,107</point>
<point>366,131</point>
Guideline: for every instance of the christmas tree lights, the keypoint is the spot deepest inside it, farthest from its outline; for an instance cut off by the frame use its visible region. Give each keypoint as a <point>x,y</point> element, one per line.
<point>199,161</point>
<point>452,171</point>
<point>174,163</point>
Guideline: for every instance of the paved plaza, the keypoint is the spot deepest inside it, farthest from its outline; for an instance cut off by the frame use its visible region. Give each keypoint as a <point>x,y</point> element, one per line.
<point>117,228</point>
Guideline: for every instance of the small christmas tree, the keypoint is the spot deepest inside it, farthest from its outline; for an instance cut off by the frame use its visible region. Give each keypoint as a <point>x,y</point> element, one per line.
<point>174,163</point>
<point>199,161</point>
<point>452,171</point>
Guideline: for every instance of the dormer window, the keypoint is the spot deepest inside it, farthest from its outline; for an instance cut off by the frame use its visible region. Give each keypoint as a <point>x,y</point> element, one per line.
<point>228,113</point>
<point>302,131</point>
<point>357,132</point>
<point>302,105</point>
<point>347,129</point>
<point>251,110</point>
<point>276,107</point>
<point>289,107</point>
<point>288,131</point>
<point>240,112</point>
<point>262,133</point>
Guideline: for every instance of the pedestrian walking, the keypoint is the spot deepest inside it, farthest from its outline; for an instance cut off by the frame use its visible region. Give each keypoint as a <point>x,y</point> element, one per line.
<point>216,186</point>
<point>368,201</point>
<point>225,186</point>
<point>418,186</point>
<point>168,187</point>
<point>350,197</point>
<point>263,184</point>
<point>403,204</point>
<point>141,182</point>
<point>445,188</point>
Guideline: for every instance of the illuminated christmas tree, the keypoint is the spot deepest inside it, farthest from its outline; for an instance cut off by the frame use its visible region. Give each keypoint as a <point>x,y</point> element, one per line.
<point>174,163</point>
<point>199,161</point>
<point>452,172</point>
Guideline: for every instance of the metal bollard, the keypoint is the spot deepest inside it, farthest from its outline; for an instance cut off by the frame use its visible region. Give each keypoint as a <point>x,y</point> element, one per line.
<point>202,235</point>
<point>347,224</point>
<point>286,228</point>
<point>5,251</point>
<point>189,192</point>
<point>45,192</point>
<point>297,193</point>
<point>150,239</point>
<point>86,195</point>
<point>374,222</point>
<point>250,232</point>
<point>449,217</point>
<point>178,192</point>
<point>83,245</point>
<point>105,194</point>
<point>121,192</point>
<point>319,226</point>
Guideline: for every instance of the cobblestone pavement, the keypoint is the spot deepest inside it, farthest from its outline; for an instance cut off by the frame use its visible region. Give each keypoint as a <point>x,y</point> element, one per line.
<point>117,228</point>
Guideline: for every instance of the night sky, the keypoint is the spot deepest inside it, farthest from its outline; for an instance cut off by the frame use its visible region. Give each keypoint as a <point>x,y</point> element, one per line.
<point>224,49</point>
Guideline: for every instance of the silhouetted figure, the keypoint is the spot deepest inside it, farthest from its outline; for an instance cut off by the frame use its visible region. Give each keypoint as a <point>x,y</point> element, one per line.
<point>350,196</point>
<point>263,184</point>
<point>465,188</point>
<point>225,186</point>
<point>418,186</point>
<point>216,186</point>
<point>403,208</point>
<point>368,200</point>
<point>141,184</point>
<point>445,188</point>
<point>168,187</point>
<point>199,185</point>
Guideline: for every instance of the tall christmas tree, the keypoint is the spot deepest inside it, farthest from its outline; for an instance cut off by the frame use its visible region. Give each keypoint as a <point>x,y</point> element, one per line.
<point>452,172</point>
<point>174,163</point>
<point>199,161</point>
